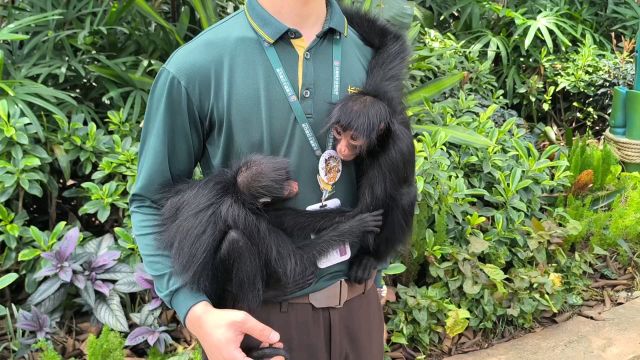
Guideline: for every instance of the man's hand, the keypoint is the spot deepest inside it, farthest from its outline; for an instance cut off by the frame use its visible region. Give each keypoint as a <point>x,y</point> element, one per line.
<point>220,331</point>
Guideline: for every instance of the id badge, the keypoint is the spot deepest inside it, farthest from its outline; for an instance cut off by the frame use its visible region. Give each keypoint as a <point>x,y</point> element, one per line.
<point>340,253</point>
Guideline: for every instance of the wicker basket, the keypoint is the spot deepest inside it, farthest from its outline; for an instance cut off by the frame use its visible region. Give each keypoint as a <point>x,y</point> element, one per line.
<point>627,150</point>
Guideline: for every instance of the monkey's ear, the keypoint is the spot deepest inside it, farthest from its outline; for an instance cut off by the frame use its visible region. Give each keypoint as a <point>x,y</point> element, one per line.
<point>382,127</point>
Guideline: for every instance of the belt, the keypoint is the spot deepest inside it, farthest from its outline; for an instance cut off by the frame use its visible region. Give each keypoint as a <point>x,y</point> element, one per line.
<point>335,295</point>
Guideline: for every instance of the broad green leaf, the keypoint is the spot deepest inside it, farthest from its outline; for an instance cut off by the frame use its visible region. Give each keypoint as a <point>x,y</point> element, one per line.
<point>477,245</point>
<point>470,287</point>
<point>7,279</point>
<point>456,321</point>
<point>124,235</point>
<point>28,254</point>
<point>91,207</point>
<point>458,135</point>
<point>13,229</point>
<point>55,233</point>
<point>494,272</point>
<point>399,338</point>
<point>103,213</point>
<point>394,269</point>
<point>434,88</point>
<point>34,189</point>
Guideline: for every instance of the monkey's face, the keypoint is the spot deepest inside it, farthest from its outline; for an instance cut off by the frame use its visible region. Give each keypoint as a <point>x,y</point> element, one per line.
<point>357,123</point>
<point>349,143</point>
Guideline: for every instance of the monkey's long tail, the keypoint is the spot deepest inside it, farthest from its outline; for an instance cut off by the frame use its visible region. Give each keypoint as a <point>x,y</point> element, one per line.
<point>388,66</point>
<point>268,353</point>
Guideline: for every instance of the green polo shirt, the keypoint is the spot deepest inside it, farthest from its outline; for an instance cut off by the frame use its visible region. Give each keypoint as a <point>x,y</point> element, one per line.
<point>217,100</point>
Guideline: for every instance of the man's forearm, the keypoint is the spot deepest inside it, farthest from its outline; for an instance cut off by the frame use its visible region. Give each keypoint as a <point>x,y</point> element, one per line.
<point>170,148</point>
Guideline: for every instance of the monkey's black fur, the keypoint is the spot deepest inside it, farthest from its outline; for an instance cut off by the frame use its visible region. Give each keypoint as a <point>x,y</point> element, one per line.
<point>222,243</point>
<point>386,166</point>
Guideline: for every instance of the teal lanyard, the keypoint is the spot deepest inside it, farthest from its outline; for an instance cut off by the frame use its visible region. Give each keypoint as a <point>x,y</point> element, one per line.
<point>293,99</point>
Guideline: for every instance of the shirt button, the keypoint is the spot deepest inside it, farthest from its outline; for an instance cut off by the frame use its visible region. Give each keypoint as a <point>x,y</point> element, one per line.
<point>307,55</point>
<point>306,93</point>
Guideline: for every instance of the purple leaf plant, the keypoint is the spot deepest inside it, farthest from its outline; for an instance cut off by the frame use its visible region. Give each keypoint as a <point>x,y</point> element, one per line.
<point>155,336</point>
<point>145,281</point>
<point>36,322</point>
<point>61,261</point>
<point>98,265</point>
<point>82,269</point>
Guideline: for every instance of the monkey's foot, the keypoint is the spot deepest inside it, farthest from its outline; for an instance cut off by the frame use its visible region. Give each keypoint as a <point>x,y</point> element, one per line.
<point>362,266</point>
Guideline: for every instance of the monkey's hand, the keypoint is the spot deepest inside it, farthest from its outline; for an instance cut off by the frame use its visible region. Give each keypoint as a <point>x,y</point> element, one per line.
<point>362,268</point>
<point>368,222</point>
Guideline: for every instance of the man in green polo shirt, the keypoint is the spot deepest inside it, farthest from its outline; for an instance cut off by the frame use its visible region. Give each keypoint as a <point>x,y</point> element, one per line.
<point>215,101</point>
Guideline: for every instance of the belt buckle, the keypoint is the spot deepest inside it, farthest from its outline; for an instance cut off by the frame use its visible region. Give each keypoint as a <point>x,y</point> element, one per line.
<point>334,295</point>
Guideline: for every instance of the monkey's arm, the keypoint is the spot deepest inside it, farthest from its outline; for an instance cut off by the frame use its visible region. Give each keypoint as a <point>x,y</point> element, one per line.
<point>300,223</point>
<point>388,180</point>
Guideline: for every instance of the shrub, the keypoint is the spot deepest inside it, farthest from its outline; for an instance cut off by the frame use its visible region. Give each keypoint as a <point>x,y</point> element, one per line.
<point>48,352</point>
<point>485,251</point>
<point>609,221</point>
<point>109,346</point>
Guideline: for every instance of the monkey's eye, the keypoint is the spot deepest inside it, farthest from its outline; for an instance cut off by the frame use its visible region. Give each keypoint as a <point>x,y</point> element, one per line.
<point>337,132</point>
<point>355,140</point>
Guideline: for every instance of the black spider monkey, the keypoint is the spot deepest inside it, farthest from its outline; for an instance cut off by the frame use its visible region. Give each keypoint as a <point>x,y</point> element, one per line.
<point>371,127</point>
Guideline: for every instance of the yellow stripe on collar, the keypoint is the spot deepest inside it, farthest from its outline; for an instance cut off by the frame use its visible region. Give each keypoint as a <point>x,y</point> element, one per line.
<point>256,27</point>
<point>300,45</point>
<point>346,26</point>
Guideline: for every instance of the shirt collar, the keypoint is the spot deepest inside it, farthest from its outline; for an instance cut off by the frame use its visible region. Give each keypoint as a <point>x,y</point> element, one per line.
<point>270,28</point>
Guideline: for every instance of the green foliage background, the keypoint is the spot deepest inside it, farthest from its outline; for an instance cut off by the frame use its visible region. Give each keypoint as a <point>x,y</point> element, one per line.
<point>498,239</point>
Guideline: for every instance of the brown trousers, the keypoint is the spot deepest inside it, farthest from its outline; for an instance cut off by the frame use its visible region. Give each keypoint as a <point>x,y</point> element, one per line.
<point>352,332</point>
